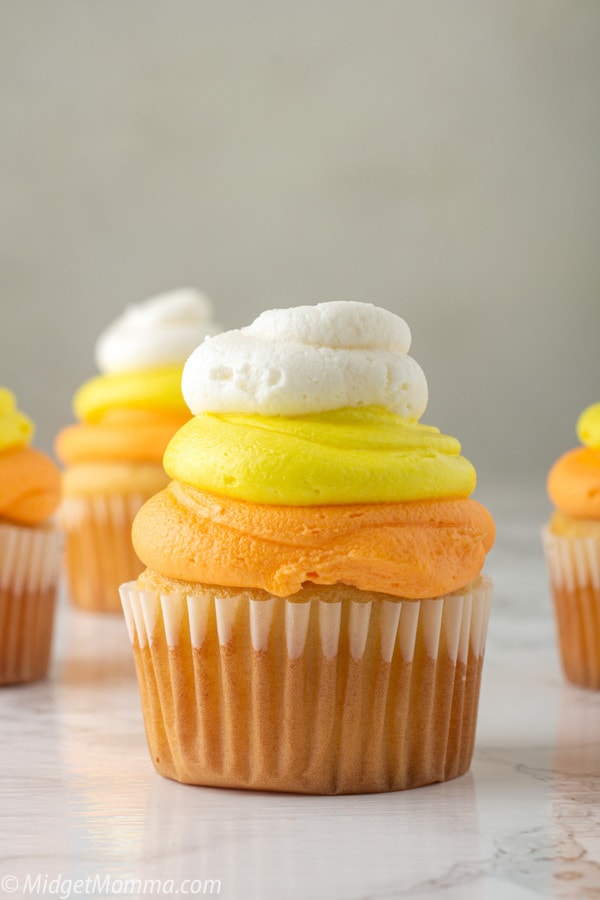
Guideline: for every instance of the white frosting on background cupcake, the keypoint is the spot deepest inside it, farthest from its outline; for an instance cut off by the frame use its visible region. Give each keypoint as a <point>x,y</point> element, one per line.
<point>161,331</point>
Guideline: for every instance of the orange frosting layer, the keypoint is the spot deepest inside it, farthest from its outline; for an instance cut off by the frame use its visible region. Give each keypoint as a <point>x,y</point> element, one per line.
<point>574,483</point>
<point>415,550</point>
<point>121,435</point>
<point>29,486</point>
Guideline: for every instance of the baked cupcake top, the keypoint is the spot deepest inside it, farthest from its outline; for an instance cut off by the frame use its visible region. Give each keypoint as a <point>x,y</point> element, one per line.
<point>305,462</point>
<point>132,408</point>
<point>574,480</point>
<point>29,480</point>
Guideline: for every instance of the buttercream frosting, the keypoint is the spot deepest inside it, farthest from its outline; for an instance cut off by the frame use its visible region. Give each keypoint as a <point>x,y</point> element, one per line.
<point>161,331</point>
<point>129,412</point>
<point>16,429</point>
<point>147,389</point>
<point>305,462</point>
<point>411,550</point>
<point>29,479</point>
<point>366,455</point>
<point>306,360</point>
<point>588,426</point>
<point>574,480</point>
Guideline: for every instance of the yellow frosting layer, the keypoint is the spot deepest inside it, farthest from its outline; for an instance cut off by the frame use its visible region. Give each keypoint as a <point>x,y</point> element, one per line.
<point>350,455</point>
<point>588,426</point>
<point>16,429</point>
<point>148,389</point>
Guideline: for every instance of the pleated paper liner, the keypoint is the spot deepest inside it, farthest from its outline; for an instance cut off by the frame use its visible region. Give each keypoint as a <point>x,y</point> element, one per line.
<point>30,561</point>
<point>328,695</point>
<point>574,570</point>
<point>99,552</point>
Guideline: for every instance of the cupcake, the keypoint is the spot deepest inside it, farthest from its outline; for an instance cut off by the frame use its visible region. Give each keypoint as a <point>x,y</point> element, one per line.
<point>572,549</point>
<point>30,548</point>
<point>312,614</point>
<point>113,456</point>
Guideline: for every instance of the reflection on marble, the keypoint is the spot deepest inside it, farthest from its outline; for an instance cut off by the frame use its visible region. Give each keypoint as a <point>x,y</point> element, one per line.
<point>80,798</point>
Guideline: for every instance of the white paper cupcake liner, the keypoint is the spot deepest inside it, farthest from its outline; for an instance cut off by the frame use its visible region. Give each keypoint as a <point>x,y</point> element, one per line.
<point>99,552</point>
<point>324,696</point>
<point>574,571</point>
<point>30,561</point>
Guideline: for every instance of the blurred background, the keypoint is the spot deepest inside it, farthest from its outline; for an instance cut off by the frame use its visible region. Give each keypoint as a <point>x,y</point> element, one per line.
<point>439,159</point>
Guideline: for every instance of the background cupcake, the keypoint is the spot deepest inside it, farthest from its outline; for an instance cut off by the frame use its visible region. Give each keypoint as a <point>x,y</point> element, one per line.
<point>113,456</point>
<point>30,548</point>
<point>312,617</point>
<point>572,546</point>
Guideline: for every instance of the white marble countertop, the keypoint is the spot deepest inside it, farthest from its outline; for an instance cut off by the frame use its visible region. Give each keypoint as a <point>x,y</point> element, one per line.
<point>83,813</point>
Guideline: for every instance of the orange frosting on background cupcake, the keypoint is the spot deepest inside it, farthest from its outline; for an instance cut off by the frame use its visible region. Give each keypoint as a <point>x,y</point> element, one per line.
<point>29,480</point>
<point>574,479</point>
<point>572,549</point>
<point>574,483</point>
<point>31,548</point>
<point>128,412</point>
<point>123,435</point>
<point>29,486</point>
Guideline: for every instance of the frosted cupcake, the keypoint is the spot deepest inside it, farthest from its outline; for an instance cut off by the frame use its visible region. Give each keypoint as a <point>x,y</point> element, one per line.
<point>312,617</point>
<point>113,456</point>
<point>572,546</point>
<point>30,548</point>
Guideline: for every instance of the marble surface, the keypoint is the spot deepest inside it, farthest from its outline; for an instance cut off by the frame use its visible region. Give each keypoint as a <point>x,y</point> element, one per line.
<point>83,813</point>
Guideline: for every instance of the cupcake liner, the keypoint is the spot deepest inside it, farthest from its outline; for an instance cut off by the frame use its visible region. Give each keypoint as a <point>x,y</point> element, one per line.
<point>30,560</point>
<point>574,570</point>
<point>325,696</point>
<point>99,552</point>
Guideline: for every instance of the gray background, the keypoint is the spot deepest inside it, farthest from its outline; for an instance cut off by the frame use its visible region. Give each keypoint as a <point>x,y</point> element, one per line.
<point>437,158</point>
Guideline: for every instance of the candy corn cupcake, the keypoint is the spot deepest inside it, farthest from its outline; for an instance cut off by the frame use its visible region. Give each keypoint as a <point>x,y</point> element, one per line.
<point>30,548</point>
<point>572,546</point>
<point>113,456</point>
<point>313,612</point>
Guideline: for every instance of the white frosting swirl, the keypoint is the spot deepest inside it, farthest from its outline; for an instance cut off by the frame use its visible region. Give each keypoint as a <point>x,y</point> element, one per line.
<point>306,360</point>
<point>161,331</point>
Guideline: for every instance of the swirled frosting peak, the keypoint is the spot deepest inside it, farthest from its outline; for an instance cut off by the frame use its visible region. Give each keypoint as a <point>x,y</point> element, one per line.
<point>574,479</point>
<point>588,426</point>
<point>16,429</point>
<point>309,359</point>
<point>130,411</point>
<point>29,479</point>
<point>305,462</point>
<point>162,331</point>
<point>313,405</point>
